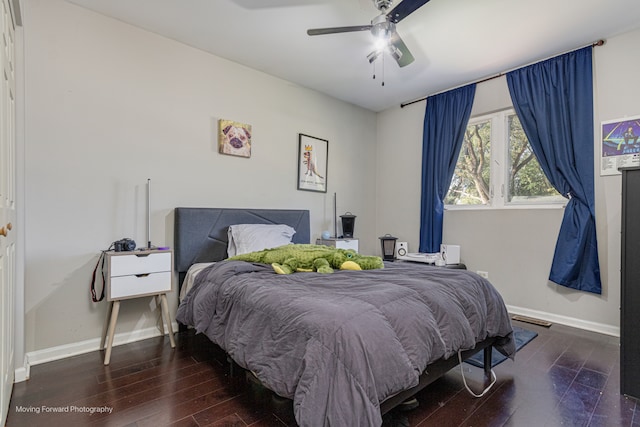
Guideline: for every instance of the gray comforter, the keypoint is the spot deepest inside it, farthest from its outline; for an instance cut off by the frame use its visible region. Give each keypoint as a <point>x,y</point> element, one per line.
<point>340,344</point>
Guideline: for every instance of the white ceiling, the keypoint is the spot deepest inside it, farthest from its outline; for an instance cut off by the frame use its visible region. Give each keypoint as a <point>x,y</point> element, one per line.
<point>454,42</point>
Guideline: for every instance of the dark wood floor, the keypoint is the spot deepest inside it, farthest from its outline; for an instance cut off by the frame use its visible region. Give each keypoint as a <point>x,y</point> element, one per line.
<point>564,377</point>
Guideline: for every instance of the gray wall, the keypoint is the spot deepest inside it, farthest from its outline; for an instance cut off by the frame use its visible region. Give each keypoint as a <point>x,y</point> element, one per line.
<point>108,106</point>
<point>516,245</point>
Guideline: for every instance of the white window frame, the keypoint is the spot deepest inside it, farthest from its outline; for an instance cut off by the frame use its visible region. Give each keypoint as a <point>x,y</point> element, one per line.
<point>498,168</point>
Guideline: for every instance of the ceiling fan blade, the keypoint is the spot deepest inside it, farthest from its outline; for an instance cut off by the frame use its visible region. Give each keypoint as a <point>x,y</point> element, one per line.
<point>334,30</point>
<point>400,51</point>
<point>404,9</point>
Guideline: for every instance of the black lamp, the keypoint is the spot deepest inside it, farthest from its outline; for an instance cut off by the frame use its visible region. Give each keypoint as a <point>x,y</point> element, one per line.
<point>388,243</point>
<point>348,224</point>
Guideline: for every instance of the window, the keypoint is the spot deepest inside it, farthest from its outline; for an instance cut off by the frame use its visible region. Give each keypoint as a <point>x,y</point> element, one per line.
<point>497,166</point>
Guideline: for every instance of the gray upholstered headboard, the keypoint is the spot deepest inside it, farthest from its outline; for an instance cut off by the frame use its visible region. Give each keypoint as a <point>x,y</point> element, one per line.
<point>201,233</point>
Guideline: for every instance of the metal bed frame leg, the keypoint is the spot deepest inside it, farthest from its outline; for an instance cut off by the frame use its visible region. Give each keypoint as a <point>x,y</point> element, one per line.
<point>231,362</point>
<point>487,360</point>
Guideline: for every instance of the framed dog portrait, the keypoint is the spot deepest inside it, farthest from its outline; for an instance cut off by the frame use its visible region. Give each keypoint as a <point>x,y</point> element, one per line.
<point>313,154</point>
<point>234,138</point>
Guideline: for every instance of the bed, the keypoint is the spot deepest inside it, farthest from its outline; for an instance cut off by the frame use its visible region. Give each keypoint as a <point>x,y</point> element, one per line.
<point>345,347</point>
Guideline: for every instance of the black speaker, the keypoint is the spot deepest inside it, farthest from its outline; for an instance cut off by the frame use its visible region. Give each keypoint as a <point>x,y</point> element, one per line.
<point>348,224</point>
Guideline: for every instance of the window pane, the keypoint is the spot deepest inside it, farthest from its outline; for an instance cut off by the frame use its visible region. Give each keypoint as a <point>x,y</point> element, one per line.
<point>471,179</point>
<point>526,182</point>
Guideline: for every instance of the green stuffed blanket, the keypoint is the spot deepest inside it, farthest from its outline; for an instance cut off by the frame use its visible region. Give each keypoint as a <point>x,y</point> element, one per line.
<point>289,259</point>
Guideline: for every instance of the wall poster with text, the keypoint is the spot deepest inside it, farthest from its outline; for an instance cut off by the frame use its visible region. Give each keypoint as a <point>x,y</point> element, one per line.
<point>620,145</point>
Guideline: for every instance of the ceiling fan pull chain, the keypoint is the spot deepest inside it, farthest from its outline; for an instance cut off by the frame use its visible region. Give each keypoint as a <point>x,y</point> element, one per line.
<point>382,69</point>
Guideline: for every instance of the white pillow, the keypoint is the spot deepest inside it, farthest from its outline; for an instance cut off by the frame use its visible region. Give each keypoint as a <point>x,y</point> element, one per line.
<point>245,238</point>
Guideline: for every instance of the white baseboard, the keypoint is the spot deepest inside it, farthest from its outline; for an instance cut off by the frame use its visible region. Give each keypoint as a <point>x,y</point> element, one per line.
<point>565,320</point>
<point>67,350</point>
<point>22,373</point>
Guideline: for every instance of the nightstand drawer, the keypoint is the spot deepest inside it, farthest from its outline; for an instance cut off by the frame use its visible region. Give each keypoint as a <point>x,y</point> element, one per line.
<point>346,243</point>
<point>132,263</point>
<point>140,285</point>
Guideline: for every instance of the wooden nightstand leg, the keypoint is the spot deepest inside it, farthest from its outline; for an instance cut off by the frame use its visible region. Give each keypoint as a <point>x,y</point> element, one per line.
<point>167,318</point>
<point>159,304</point>
<point>112,330</point>
<point>105,329</point>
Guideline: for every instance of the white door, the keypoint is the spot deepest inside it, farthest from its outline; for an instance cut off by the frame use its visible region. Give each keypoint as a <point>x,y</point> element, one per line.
<point>7,208</point>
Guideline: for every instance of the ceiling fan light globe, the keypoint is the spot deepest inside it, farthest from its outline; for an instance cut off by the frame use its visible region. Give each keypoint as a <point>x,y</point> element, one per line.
<point>381,44</point>
<point>382,29</point>
<point>373,56</point>
<point>395,52</point>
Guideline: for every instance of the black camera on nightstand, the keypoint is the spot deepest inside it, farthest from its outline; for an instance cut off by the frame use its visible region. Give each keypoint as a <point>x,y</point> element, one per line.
<point>124,245</point>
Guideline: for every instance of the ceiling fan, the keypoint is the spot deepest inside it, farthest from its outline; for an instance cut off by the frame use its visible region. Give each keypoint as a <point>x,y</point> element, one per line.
<point>383,27</point>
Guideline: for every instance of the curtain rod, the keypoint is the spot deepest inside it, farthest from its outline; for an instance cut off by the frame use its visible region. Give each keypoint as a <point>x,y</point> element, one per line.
<point>598,43</point>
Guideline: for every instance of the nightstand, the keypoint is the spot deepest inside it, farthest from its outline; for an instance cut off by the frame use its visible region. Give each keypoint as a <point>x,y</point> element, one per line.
<point>459,266</point>
<point>137,274</point>
<point>339,242</point>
